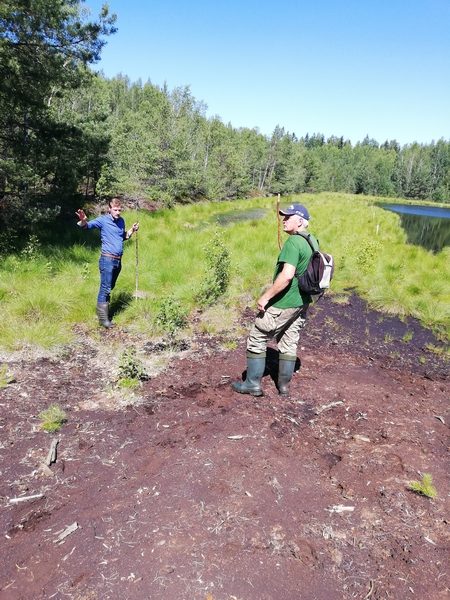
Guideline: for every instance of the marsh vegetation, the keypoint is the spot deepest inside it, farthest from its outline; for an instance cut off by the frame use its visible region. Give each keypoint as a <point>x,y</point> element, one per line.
<point>52,286</point>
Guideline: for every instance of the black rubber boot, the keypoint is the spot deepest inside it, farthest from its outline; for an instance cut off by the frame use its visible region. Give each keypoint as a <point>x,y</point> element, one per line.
<point>256,363</point>
<point>286,368</point>
<point>102,314</point>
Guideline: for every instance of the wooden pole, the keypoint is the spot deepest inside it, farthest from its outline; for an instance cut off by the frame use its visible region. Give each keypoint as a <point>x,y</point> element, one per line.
<point>137,294</point>
<point>136,252</point>
<point>278,222</point>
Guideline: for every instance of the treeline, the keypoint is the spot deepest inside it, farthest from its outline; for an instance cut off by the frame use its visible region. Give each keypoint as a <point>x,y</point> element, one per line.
<point>162,146</point>
<point>65,131</point>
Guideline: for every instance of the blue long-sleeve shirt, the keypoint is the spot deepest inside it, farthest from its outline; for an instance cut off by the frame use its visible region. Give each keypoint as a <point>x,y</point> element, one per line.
<point>112,233</point>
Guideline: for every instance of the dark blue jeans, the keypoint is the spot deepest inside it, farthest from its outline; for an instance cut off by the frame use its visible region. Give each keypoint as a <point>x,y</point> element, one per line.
<point>109,272</point>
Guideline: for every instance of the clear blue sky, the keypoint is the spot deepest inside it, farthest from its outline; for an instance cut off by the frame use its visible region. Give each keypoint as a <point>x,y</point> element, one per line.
<point>338,67</point>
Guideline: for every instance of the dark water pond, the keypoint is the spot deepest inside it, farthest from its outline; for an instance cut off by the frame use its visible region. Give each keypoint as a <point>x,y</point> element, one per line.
<point>234,216</point>
<point>426,226</point>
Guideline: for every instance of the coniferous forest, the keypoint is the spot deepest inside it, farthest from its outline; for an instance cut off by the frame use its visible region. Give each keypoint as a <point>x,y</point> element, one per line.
<point>67,131</point>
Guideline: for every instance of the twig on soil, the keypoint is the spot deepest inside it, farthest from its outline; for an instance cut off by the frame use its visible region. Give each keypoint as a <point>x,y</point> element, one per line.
<point>9,585</point>
<point>328,406</point>
<point>371,589</point>
<point>69,554</point>
<point>340,508</point>
<point>67,531</point>
<point>429,540</point>
<point>51,456</point>
<point>24,498</point>
<point>361,415</point>
<point>277,487</point>
<point>439,418</point>
<point>46,470</point>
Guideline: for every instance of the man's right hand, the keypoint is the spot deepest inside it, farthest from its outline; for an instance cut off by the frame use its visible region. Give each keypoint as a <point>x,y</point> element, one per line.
<point>81,214</point>
<point>262,303</point>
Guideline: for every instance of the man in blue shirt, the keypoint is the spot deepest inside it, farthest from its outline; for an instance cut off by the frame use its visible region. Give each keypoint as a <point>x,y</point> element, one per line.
<point>113,234</point>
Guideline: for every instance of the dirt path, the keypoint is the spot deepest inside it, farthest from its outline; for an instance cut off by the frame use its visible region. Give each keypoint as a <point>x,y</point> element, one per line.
<point>197,493</point>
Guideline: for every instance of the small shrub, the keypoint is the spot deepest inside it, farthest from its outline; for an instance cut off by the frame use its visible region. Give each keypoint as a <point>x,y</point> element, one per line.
<point>5,377</point>
<point>52,418</point>
<point>218,270</point>
<point>166,199</point>
<point>171,315</point>
<point>107,181</point>
<point>130,367</point>
<point>32,248</point>
<point>367,254</point>
<point>424,487</point>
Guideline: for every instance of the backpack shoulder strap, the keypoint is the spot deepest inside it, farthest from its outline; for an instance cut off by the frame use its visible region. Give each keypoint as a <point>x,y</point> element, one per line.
<point>307,237</point>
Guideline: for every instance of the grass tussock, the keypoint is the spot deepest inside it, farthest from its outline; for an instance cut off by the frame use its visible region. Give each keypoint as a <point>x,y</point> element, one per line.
<point>52,418</point>
<point>5,376</point>
<point>424,487</point>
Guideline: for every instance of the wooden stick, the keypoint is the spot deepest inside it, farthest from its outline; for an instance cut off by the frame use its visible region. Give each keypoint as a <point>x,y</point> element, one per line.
<point>370,592</point>
<point>51,456</point>
<point>24,498</point>
<point>137,263</point>
<point>328,406</point>
<point>278,222</point>
<point>67,531</point>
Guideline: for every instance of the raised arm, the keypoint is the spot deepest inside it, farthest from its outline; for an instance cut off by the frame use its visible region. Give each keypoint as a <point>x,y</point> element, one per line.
<point>82,218</point>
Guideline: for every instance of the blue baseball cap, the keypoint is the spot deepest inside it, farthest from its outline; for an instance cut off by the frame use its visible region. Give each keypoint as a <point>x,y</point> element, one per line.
<point>296,209</point>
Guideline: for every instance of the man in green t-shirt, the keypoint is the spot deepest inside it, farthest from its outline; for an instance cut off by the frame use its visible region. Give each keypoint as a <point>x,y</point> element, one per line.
<point>282,308</point>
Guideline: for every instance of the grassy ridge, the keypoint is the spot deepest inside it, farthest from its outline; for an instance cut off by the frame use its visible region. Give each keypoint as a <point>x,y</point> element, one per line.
<point>47,290</point>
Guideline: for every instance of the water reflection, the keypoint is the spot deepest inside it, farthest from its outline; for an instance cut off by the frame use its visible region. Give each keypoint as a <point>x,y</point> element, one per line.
<point>234,216</point>
<point>425,226</point>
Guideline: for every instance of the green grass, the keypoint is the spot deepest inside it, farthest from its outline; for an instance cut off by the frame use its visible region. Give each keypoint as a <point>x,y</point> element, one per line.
<point>424,487</point>
<point>408,336</point>
<point>129,383</point>
<point>52,418</point>
<point>44,298</point>
<point>5,376</point>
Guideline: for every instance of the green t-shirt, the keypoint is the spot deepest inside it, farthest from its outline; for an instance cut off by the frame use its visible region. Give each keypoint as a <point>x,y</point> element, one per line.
<point>297,252</point>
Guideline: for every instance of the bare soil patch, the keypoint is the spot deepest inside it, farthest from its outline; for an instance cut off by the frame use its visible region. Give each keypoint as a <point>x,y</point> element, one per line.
<point>199,493</point>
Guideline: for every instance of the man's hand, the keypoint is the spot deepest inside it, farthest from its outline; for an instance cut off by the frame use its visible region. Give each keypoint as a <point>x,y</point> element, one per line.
<point>283,279</point>
<point>262,303</point>
<point>133,228</point>
<point>82,216</point>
